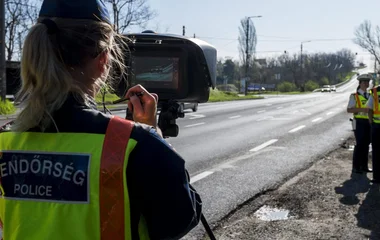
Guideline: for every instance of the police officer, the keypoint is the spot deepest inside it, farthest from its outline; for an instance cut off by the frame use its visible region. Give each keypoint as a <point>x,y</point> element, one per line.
<point>68,171</point>
<point>374,119</point>
<point>357,106</point>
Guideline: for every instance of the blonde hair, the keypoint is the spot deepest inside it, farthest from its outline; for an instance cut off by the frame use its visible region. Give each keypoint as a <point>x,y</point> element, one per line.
<point>47,60</point>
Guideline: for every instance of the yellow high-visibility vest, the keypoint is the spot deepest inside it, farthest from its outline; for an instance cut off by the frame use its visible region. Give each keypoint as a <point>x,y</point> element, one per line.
<point>63,186</point>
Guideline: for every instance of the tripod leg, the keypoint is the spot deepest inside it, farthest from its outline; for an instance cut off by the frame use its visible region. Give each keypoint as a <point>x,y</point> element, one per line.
<point>207,227</point>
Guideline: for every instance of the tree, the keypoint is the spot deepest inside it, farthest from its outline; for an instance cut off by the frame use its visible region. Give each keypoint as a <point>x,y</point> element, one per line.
<point>368,38</point>
<point>128,13</point>
<point>20,15</point>
<point>229,69</point>
<point>247,42</point>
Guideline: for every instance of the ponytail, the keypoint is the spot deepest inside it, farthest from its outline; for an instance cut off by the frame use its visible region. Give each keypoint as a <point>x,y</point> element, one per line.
<point>45,80</point>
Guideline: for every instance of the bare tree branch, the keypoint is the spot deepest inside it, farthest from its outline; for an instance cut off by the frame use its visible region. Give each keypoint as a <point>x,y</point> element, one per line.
<point>369,38</point>
<point>128,13</point>
<point>20,15</point>
<point>245,48</point>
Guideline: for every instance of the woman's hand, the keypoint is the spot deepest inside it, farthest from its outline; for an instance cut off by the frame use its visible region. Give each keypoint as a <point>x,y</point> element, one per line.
<point>144,107</point>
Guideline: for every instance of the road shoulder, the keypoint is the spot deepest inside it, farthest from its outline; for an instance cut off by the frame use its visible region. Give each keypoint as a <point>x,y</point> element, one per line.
<point>325,202</point>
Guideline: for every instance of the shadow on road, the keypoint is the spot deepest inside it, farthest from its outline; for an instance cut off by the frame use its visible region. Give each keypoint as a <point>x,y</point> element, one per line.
<point>368,215</point>
<point>359,183</point>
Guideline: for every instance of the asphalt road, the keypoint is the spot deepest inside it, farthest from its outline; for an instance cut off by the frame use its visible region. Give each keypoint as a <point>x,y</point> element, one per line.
<point>236,150</point>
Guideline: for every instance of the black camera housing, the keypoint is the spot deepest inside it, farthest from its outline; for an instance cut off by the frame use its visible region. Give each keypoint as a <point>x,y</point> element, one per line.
<point>172,66</point>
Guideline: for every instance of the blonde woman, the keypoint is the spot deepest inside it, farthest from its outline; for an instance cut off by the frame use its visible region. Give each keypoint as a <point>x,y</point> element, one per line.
<point>67,171</point>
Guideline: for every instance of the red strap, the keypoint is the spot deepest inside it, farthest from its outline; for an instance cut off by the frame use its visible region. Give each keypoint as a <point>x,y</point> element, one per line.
<point>376,99</point>
<point>111,179</point>
<point>358,100</point>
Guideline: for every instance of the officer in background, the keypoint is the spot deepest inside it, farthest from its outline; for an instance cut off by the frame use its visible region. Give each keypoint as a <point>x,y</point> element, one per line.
<point>68,171</point>
<point>374,119</point>
<point>357,106</point>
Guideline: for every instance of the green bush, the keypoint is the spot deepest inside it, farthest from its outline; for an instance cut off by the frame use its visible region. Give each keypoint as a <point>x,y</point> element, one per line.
<point>286,87</point>
<point>227,88</point>
<point>324,81</point>
<point>6,108</point>
<point>311,86</point>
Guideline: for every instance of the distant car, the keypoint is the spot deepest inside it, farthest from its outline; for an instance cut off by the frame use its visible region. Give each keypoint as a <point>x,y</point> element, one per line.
<point>333,88</point>
<point>326,88</point>
<point>192,106</point>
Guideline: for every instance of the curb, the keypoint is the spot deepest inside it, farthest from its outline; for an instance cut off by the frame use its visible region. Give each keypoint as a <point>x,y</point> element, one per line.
<point>8,117</point>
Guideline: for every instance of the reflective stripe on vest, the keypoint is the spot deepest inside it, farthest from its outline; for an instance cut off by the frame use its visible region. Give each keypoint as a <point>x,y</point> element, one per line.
<point>376,110</point>
<point>63,209</point>
<point>360,103</point>
<point>112,172</point>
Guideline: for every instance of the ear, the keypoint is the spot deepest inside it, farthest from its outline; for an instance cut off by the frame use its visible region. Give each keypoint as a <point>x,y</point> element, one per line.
<point>102,61</point>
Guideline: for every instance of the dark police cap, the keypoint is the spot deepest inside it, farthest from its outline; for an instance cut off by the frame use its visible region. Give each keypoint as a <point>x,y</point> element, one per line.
<point>76,9</point>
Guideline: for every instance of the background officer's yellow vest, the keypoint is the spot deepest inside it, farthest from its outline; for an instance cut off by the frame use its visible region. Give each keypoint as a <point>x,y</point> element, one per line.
<point>66,185</point>
<point>376,109</point>
<point>361,102</point>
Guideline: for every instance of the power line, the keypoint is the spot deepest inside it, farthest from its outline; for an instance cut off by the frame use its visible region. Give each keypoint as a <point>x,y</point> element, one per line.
<point>284,40</point>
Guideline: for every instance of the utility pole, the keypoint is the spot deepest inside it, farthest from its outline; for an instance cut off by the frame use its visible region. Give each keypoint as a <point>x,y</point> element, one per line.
<point>302,81</point>
<point>301,62</point>
<point>375,66</point>
<point>246,58</point>
<point>3,81</point>
<point>183,31</point>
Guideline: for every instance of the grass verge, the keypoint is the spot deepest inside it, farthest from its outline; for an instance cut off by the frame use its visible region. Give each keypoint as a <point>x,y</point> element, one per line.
<point>282,93</point>
<point>215,96</point>
<point>349,76</point>
<point>109,98</point>
<point>219,96</point>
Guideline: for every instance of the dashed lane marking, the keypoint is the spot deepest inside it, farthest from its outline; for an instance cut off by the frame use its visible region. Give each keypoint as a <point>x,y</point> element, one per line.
<point>264,145</point>
<point>194,125</point>
<point>297,129</point>
<point>200,176</point>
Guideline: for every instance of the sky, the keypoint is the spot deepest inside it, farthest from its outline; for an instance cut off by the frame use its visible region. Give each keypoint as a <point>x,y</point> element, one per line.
<point>283,26</point>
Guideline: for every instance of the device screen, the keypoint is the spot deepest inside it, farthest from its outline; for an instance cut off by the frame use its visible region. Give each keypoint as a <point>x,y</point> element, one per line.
<point>157,72</point>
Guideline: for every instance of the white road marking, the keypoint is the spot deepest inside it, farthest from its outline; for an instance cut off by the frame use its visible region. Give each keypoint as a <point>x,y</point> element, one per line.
<point>264,145</point>
<point>194,125</point>
<point>280,107</point>
<point>280,119</point>
<point>200,176</point>
<point>308,113</point>
<point>269,104</point>
<point>329,113</point>
<point>264,118</point>
<point>297,129</point>
<point>233,117</point>
<point>261,111</point>
<point>196,116</point>
<point>317,119</point>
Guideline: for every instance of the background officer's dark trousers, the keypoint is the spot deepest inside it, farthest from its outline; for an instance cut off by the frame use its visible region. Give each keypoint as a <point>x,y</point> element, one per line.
<point>376,151</point>
<point>363,139</point>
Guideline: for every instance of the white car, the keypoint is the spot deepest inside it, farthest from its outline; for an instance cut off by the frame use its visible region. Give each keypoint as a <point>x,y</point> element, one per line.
<point>333,89</point>
<point>326,88</point>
